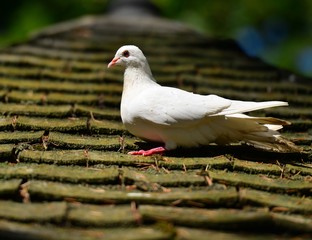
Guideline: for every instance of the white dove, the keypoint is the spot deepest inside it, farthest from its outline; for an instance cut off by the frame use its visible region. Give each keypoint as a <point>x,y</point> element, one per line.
<point>175,117</point>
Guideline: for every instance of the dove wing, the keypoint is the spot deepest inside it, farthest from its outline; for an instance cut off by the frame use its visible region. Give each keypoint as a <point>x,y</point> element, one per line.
<point>171,106</point>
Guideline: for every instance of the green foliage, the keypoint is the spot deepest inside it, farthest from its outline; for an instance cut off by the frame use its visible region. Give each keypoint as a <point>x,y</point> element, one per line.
<point>282,26</point>
<point>224,17</point>
<point>21,17</point>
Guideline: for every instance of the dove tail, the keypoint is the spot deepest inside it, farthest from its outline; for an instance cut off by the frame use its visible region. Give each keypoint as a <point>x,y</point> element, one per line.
<point>260,132</point>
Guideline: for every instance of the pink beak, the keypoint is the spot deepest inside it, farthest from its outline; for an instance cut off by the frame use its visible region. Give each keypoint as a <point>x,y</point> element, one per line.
<point>113,62</point>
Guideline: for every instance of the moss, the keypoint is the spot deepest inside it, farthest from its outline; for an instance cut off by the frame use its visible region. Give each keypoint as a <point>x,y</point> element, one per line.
<point>59,54</point>
<point>9,187</point>
<point>19,71</point>
<point>67,87</point>
<point>51,124</point>
<point>61,75</point>
<point>6,152</point>
<point>262,182</point>
<point>238,74</point>
<point>193,233</point>
<point>83,157</point>
<point>51,63</point>
<point>110,114</point>
<point>276,201</point>
<point>120,159</point>
<point>58,82</point>
<point>52,98</point>
<point>59,173</point>
<point>111,143</point>
<point>35,212</point>
<point>15,137</point>
<point>206,198</point>
<point>252,86</point>
<point>6,123</point>
<point>102,216</point>
<point>299,170</point>
<point>106,127</point>
<point>75,125</point>
<point>36,231</point>
<point>171,179</point>
<point>256,167</point>
<point>217,219</point>
<point>226,218</point>
<point>36,110</point>
<point>219,162</point>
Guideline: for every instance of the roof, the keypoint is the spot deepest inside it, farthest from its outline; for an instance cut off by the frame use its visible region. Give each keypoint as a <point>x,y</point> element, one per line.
<point>64,171</point>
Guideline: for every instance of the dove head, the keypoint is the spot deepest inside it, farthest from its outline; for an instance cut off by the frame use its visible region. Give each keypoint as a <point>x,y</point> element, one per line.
<point>128,56</point>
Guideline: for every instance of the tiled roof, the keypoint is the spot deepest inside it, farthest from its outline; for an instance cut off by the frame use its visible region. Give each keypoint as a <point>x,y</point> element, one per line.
<point>64,171</point>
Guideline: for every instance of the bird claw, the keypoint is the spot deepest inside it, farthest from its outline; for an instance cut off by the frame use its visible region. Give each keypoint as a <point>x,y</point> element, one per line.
<point>158,150</point>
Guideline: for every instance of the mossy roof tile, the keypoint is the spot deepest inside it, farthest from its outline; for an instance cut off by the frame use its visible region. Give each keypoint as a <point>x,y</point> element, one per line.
<point>63,147</point>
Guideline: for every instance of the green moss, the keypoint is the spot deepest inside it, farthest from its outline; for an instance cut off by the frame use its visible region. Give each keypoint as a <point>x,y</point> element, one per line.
<point>275,201</point>
<point>218,219</point>
<point>115,158</point>
<point>9,187</point>
<point>35,212</point>
<point>188,233</point>
<point>252,86</point>
<point>60,54</point>
<point>83,157</point>
<point>107,127</point>
<point>52,232</point>
<point>219,162</point>
<point>6,123</point>
<point>15,137</point>
<point>65,125</point>
<point>35,110</point>
<point>48,62</point>
<point>171,179</point>
<point>299,170</point>
<point>59,173</point>
<point>256,168</point>
<point>58,191</point>
<point>261,182</point>
<point>239,74</point>
<point>19,71</point>
<point>68,87</point>
<point>6,151</point>
<point>52,124</point>
<point>86,142</point>
<point>226,218</point>
<point>101,216</point>
<point>111,114</point>
<point>36,72</point>
<point>51,98</point>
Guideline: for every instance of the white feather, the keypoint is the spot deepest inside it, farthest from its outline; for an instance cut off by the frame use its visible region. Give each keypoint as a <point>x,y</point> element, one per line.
<point>179,118</point>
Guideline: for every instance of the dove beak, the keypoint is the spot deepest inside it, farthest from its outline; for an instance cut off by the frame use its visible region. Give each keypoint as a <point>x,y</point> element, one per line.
<point>113,62</point>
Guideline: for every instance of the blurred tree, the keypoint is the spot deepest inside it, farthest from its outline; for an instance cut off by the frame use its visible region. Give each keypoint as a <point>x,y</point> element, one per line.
<point>18,18</point>
<point>279,31</point>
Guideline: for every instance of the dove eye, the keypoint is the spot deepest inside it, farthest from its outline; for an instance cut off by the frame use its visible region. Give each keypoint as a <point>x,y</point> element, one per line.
<point>126,53</point>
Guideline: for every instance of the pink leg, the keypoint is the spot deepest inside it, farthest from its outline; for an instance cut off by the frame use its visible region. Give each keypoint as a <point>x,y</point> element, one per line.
<point>158,150</point>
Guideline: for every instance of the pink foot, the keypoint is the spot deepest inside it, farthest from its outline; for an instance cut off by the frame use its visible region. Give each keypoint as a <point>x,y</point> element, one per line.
<point>158,150</point>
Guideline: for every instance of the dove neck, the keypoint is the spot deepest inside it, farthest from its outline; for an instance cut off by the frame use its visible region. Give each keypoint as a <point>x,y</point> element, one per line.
<point>138,77</point>
<point>136,80</point>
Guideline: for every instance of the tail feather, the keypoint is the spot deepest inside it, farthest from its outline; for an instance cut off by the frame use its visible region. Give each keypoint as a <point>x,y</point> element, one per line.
<point>262,120</point>
<point>244,106</point>
<point>260,132</point>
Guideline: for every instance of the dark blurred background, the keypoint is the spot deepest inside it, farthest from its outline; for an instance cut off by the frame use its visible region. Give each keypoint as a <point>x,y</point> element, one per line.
<point>278,31</point>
